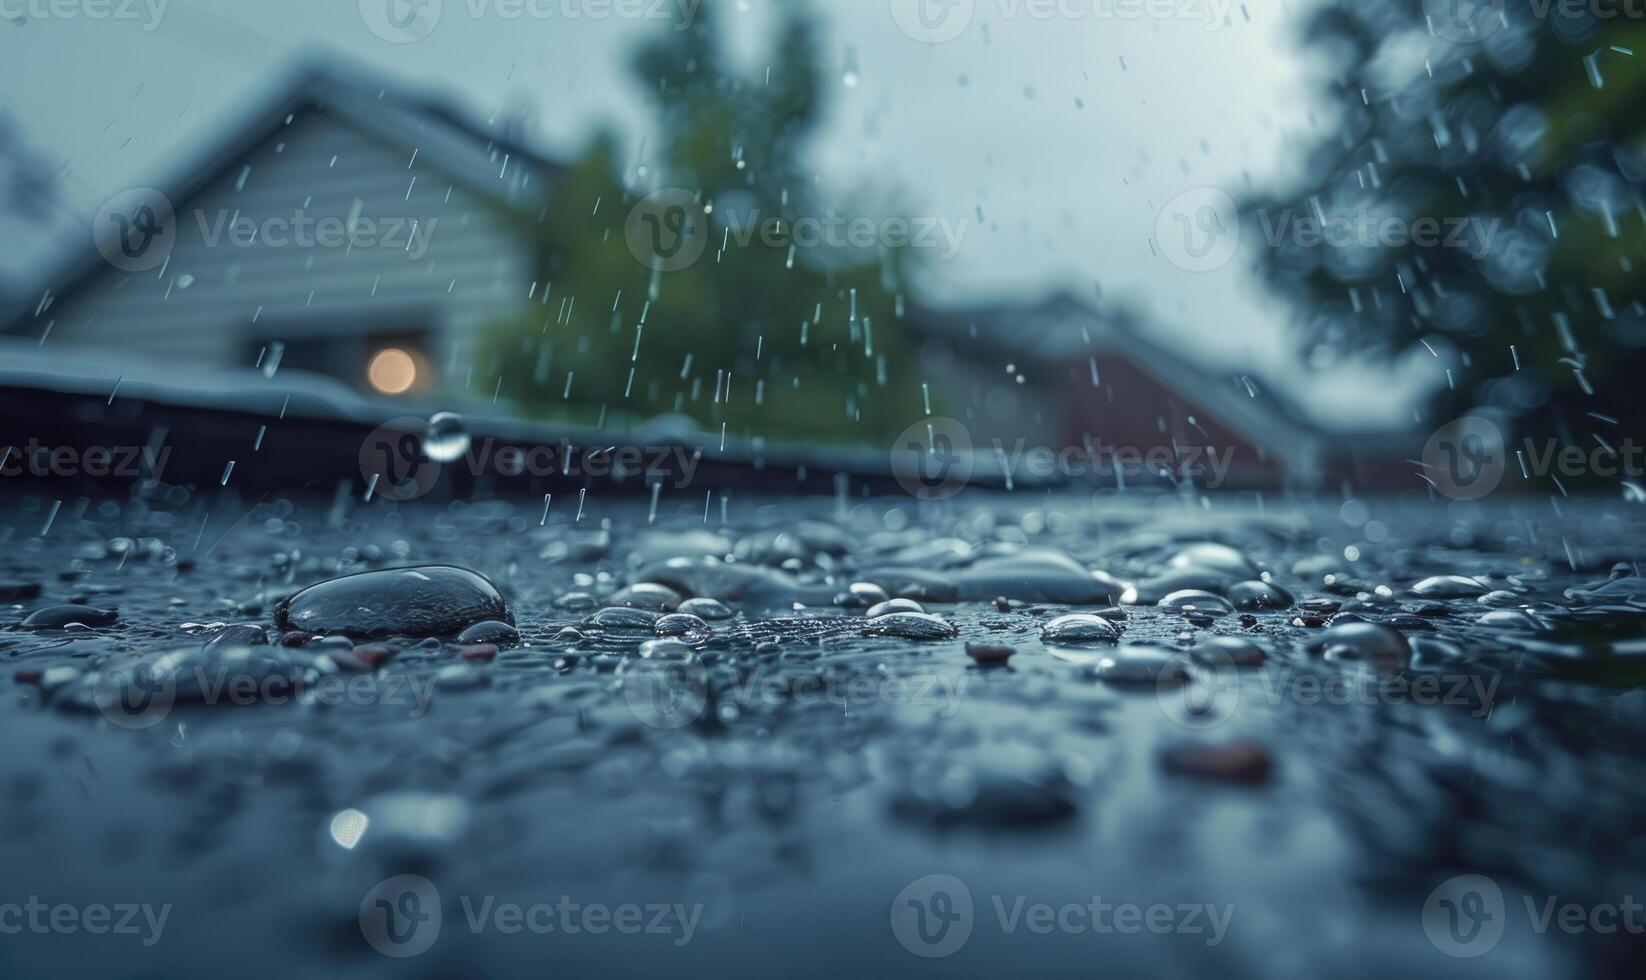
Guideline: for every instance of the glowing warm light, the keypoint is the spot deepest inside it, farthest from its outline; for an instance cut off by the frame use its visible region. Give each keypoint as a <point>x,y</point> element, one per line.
<point>392,371</point>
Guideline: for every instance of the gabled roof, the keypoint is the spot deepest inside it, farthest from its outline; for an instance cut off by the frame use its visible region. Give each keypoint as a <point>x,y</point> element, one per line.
<point>1065,329</point>
<point>468,152</point>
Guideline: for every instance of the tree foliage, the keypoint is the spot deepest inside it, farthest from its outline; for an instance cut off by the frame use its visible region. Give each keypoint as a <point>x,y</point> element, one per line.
<point>1518,127</point>
<point>766,340</point>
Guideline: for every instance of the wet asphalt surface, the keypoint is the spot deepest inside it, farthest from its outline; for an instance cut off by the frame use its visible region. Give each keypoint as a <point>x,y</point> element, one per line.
<point>767,789</point>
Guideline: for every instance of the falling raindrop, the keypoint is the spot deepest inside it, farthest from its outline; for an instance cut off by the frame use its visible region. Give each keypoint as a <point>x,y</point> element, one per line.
<point>447,438</point>
<point>850,75</point>
<point>348,826</point>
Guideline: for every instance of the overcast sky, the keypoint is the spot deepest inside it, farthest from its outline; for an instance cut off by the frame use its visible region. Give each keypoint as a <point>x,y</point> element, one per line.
<point>1065,126</point>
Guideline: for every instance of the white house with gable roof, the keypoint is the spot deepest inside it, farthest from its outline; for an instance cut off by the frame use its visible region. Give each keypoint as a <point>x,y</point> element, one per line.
<point>341,226</point>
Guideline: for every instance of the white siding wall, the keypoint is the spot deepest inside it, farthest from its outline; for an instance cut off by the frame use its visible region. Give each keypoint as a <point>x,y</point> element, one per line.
<point>475,271</point>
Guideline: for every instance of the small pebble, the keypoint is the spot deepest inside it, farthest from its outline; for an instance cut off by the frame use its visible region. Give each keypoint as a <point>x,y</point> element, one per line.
<point>1142,666</point>
<point>429,600</point>
<point>1195,601</point>
<point>502,635</point>
<point>624,618</point>
<point>478,653</point>
<point>893,606</point>
<point>911,626</point>
<point>1239,651</point>
<point>861,595</point>
<point>1450,587</point>
<point>247,635</point>
<point>990,654</point>
<point>1079,628</point>
<point>459,677</point>
<point>1245,763</point>
<point>705,608</point>
<point>683,625</point>
<point>648,595</point>
<point>1256,595</point>
<point>1364,641</point>
<point>61,617</point>
<point>373,655</point>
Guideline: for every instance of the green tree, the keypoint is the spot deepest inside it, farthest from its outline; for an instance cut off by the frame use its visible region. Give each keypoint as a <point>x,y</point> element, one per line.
<point>765,339</point>
<point>1519,129</point>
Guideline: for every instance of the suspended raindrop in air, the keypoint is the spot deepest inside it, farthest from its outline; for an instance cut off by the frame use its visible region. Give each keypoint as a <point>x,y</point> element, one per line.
<point>447,438</point>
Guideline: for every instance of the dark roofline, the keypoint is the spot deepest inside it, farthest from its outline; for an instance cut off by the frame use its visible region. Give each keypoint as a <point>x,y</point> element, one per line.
<point>329,83</point>
<point>11,296</point>
<point>314,81</point>
<point>919,313</point>
<point>1252,417</point>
